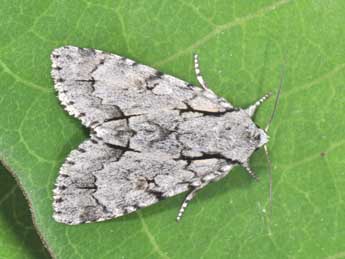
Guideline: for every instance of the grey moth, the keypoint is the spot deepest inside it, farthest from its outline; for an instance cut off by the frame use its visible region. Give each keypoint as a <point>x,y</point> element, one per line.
<point>152,136</point>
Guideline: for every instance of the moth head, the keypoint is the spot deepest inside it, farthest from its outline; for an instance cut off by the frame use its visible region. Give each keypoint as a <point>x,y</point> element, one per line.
<point>262,137</point>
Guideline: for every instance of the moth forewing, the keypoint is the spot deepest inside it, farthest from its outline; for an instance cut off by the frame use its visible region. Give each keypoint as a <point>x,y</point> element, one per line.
<point>153,136</point>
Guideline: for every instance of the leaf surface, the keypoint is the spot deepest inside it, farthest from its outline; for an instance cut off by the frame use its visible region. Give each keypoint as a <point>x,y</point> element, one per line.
<point>18,237</point>
<point>242,46</point>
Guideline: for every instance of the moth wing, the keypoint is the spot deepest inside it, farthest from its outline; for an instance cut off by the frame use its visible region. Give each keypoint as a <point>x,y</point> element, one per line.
<point>74,200</point>
<point>98,182</point>
<point>96,86</point>
<point>124,102</point>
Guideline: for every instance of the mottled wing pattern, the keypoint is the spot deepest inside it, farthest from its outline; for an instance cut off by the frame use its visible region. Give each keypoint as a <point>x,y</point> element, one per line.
<point>96,86</point>
<point>98,182</point>
<point>143,133</point>
<point>74,200</point>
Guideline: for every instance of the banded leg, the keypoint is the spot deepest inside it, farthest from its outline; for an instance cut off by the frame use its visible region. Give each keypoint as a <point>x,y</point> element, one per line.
<point>252,108</point>
<point>193,192</point>
<point>188,198</point>
<point>250,171</point>
<point>198,73</point>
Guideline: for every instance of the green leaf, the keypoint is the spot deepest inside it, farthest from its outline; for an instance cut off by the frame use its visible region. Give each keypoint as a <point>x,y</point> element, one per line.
<point>18,238</point>
<point>242,46</point>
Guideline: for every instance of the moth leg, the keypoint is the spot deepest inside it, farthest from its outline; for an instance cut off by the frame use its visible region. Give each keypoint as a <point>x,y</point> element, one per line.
<point>193,192</point>
<point>252,108</point>
<point>198,73</point>
<point>188,198</point>
<point>250,171</point>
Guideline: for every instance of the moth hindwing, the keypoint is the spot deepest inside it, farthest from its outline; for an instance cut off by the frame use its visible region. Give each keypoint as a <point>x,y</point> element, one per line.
<point>152,136</point>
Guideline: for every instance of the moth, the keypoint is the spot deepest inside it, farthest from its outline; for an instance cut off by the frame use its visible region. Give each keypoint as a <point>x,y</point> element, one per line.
<point>152,136</point>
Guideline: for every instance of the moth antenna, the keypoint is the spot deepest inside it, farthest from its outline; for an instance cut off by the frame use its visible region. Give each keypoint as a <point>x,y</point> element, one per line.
<point>270,179</point>
<point>198,73</point>
<point>265,146</point>
<point>277,99</point>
